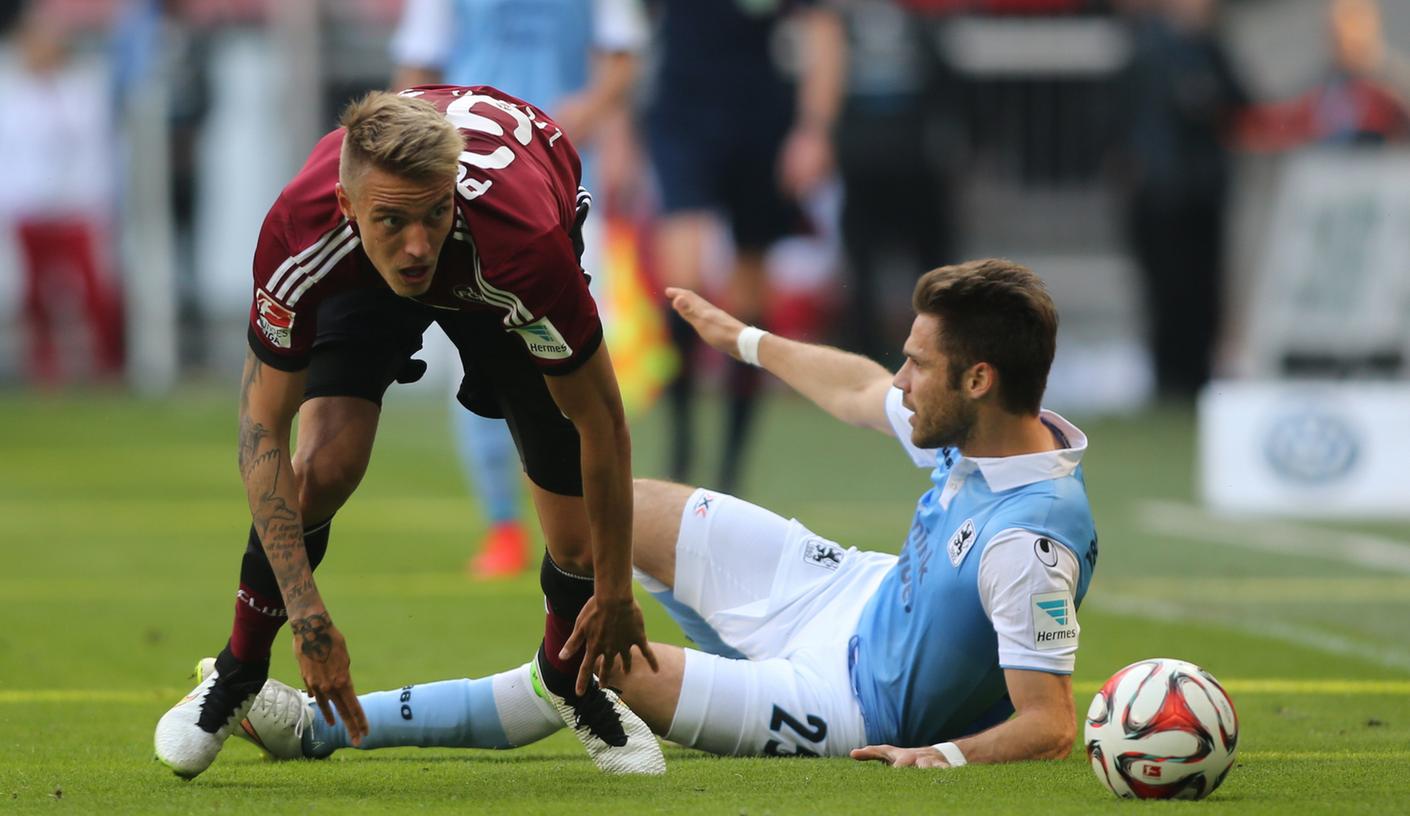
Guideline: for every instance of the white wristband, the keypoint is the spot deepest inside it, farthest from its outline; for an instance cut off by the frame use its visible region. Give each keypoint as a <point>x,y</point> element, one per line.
<point>748,343</point>
<point>952,754</point>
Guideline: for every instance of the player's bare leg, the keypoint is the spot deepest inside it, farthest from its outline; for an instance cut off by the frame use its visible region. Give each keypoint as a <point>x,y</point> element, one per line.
<point>335,439</point>
<point>656,524</point>
<point>565,529</point>
<point>652,695</point>
<point>334,446</point>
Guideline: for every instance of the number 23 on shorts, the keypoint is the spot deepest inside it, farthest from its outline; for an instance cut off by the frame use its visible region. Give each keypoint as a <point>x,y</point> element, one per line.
<point>813,732</point>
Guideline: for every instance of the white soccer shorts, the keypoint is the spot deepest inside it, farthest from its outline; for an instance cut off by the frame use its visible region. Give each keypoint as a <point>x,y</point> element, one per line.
<point>787,599</point>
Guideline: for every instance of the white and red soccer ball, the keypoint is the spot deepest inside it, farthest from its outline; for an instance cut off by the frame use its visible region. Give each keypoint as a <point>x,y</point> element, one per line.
<point>1161,729</point>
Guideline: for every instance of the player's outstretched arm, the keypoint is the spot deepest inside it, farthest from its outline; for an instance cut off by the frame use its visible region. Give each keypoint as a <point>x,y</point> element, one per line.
<point>1043,727</point>
<point>848,386</point>
<point>611,622</point>
<point>269,398</point>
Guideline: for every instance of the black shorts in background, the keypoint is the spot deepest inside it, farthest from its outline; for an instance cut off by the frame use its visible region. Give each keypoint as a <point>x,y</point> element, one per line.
<point>727,163</point>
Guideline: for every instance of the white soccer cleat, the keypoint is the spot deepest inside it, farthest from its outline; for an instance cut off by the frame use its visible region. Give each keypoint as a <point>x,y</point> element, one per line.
<point>190,735</point>
<point>614,736</point>
<point>277,719</point>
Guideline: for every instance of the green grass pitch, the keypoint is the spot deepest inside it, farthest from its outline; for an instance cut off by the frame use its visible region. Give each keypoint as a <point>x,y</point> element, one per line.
<point>122,522</point>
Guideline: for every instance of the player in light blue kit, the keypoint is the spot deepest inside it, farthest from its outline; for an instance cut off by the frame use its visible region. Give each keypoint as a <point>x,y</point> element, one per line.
<point>577,60</point>
<point>807,647</point>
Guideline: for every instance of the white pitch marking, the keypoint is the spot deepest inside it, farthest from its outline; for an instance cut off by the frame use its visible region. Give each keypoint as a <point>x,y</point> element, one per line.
<point>1285,538</point>
<point>1381,654</point>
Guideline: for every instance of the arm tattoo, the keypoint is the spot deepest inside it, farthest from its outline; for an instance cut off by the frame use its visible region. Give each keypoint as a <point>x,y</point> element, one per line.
<point>276,522</point>
<point>254,370</point>
<point>261,470</point>
<point>251,435</point>
<point>312,635</point>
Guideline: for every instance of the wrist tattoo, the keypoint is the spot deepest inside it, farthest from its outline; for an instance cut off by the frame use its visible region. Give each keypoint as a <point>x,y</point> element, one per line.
<point>312,634</point>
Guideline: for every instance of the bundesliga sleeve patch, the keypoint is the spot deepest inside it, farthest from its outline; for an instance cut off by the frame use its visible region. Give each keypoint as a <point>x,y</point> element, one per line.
<point>276,321</point>
<point>1054,621</point>
<point>544,341</point>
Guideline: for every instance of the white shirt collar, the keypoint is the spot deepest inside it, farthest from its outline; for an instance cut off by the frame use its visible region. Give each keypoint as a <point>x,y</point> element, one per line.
<point>1008,472</point>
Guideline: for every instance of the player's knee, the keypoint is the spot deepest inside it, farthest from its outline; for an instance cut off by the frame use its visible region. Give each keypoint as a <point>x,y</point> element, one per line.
<point>326,480</point>
<point>575,557</point>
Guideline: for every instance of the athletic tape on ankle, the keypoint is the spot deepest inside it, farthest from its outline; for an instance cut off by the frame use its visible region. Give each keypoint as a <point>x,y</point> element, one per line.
<point>748,342</point>
<point>952,754</point>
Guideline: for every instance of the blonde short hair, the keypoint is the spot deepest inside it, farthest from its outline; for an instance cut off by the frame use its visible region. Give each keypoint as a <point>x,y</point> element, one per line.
<point>397,134</point>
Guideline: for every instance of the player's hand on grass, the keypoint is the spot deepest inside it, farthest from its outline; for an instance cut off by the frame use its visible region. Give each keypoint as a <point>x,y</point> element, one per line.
<point>326,668</point>
<point>608,629</point>
<point>902,757</point>
<point>718,328</point>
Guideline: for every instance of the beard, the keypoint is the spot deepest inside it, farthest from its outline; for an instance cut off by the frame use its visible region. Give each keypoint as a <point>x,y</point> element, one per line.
<point>950,427</point>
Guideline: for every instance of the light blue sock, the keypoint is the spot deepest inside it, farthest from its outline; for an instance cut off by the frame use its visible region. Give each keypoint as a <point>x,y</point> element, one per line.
<point>490,712</point>
<point>491,463</point>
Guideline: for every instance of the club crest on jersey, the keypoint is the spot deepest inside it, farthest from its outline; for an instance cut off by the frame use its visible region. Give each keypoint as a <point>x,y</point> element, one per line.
<point>960,542</point>
<point>276,321</point>
<point>544,341</point>
<point>822,553</point>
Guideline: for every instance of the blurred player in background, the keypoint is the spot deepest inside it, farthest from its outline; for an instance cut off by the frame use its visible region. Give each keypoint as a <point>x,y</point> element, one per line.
<point>895,145</point>
<point>56,196</point>
<point>459,206</point>
<point>730,135</point>
<point>577,59</point>
<point>1362,98</point>
<point>807,648</point>
<point>1181,102</point>
<point>160,42</point>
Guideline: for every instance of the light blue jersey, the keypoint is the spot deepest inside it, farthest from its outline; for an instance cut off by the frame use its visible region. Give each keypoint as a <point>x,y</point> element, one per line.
<point>999,555</point>
<point>537,50</point>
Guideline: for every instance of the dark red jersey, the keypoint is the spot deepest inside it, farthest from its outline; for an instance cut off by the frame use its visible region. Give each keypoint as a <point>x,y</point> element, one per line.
<point>510,251</point>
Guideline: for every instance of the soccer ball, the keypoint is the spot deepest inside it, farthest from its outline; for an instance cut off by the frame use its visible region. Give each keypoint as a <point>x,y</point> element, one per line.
<point>1161,729</point>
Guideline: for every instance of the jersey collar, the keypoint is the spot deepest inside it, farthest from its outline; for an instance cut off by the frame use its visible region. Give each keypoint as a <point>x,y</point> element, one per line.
<point>1008,472</point>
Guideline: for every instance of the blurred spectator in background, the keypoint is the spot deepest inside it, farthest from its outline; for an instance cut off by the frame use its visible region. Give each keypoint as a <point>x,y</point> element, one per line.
<point>577,60</point>
<point>1181,100</point>
<point>890,146</point>
<point>728,134</point>
<point>56,196</point>
<point>1361,98</point>
<point>10,11</point>
<point>157,42</point>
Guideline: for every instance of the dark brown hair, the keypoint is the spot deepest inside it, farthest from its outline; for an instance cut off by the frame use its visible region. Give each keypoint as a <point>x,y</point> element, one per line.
<point>997,312</point>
